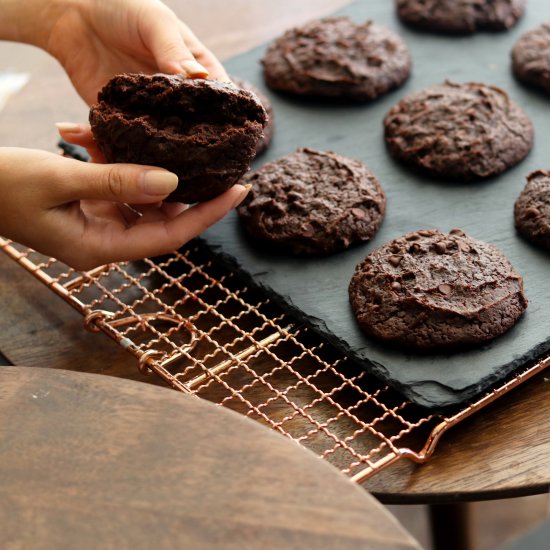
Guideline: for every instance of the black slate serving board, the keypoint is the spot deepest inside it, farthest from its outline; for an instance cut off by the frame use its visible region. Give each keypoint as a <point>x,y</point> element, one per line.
<point>316,289</point>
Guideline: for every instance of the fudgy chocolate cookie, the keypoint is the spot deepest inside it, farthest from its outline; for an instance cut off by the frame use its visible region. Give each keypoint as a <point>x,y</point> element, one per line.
<point>532,209</point>
<point>430,290</point>
<point>312,203</point>
<point>460,131</point>
<point>336,57</point>
<point>531,57</point>
<point>460,16</point>
<point>204,131</point>
<point>264,142</point>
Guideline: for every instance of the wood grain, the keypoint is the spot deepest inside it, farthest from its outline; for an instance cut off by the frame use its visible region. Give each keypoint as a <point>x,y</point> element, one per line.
<point>501,452</point>
<point>38,329</point>
<point>94,462</point>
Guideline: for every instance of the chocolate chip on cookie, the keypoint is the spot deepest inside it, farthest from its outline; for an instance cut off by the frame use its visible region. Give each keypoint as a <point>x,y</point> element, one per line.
<point>312,202</point>
<point>430,290</point>
<point>461,131</point>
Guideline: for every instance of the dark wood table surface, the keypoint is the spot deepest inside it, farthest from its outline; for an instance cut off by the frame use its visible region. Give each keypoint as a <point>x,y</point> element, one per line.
<point>501,452</point>
<point>90,461</point>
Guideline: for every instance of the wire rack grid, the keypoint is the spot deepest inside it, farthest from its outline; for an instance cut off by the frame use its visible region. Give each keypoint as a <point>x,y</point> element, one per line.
<point>197,325</point>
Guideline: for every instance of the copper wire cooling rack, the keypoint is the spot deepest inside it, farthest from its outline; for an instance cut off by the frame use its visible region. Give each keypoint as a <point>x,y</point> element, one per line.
<point>194,323</point>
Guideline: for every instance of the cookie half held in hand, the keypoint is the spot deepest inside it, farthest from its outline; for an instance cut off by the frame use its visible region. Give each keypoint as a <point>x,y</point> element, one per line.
<point>430,290</point>
<point>338,58</point>
<point>264,142</point>
<point>312,203</point>
<point>205,131</point>
<point>531,57</point>
<point>459,131</point>
<point>532,209</point>
<point>460,16</point>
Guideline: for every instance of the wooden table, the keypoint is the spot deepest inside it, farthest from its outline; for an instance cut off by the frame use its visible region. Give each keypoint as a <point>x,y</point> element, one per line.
<point>90,461</point>
<point>502,452</point>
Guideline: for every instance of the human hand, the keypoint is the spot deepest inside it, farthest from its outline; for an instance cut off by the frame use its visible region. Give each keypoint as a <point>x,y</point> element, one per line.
<point>96,39</point>
<point>77,212</point>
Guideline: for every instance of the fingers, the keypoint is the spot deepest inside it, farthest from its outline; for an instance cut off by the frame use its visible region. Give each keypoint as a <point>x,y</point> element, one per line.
<point>81,134</point>
<point>161,34</point>
<point>203,54</point>
<point>72,180</point>
<point>157,212</point>
<point>177,50</point>
<point>113,182</point>
<point>201,216</point>
<point>109,243</point>
<point>46,191</point>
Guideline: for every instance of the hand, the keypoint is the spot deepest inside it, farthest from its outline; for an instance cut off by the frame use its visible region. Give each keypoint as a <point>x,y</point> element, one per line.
<point>77,211</point>
<point>96,39</point>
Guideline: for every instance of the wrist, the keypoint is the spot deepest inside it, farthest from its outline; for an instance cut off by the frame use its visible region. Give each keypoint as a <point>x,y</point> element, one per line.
<point>33,21</point>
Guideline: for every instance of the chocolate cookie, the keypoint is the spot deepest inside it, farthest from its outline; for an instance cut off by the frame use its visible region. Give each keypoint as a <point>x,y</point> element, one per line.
<point>531,57</point>
<point>336,57</point>
<point>264,142</point>
<point>460,16</point>
<point>430,290</point>
<point>532,209</point>
<point>311,203</point>
<point>460,131</point>
<point>204,131</point>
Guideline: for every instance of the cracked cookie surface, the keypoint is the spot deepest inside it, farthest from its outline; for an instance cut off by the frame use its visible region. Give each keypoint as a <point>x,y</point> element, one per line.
<point>429,290</point>
<point>460,16</point>
<point>532,209</point>
<point>531,57</point>
<point>312,203</point>
<point>460,131</point>
<point>336,57</point>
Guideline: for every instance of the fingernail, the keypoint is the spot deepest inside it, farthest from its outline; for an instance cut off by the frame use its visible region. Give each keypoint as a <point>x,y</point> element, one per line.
<point>193,69</point>
<point>242,196</point>
<point>158,182</point>
<point>71,127</point>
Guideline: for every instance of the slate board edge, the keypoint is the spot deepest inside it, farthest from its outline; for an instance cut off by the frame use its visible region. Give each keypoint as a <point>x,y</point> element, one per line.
<point>446,397</point>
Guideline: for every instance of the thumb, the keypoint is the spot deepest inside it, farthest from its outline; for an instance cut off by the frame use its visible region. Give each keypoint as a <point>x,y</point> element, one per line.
<point>124,183</point>
<point>161,34</point>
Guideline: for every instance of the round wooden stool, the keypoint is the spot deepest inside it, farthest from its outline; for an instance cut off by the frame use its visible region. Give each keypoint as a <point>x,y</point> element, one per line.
<point>89,461</point>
